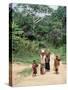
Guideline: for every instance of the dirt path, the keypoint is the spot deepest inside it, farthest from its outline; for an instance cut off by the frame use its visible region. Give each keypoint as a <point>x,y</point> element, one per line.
<point>50,78</point>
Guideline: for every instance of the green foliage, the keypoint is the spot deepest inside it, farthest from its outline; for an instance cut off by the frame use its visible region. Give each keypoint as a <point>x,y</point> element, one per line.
<point>31,32</point>
<point>61,51</point>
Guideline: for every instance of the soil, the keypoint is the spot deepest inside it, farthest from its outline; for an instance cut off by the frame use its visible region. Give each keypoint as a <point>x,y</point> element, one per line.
<point>50,78</point>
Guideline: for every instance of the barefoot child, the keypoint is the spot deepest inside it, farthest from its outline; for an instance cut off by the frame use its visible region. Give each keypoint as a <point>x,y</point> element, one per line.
<point>56,64</point>
<point>34,68</point>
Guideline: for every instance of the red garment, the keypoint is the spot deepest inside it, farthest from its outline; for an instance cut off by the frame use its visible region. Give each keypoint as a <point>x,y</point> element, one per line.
<point>34,68</point>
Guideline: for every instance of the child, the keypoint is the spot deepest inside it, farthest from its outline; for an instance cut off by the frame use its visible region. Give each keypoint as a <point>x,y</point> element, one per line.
<point>34,68</point>
<point>56,64</point>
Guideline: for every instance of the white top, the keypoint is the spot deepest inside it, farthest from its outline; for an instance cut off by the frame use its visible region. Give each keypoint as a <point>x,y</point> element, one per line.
<point>43,59</point>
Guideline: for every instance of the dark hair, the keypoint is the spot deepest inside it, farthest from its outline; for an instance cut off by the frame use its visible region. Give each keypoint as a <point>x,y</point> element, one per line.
<point>56,56</point>
<point>34,61</point>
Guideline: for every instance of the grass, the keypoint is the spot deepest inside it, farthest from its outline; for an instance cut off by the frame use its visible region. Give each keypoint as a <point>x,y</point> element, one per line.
<point>25,56</point>
<point>61,51</point>
<point>26,72</point>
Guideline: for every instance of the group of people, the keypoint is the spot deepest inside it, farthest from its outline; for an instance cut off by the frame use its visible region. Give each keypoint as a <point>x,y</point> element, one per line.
<point>45,63</point>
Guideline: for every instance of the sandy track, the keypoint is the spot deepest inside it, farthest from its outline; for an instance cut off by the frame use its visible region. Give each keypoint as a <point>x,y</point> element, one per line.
<point>50,78</point>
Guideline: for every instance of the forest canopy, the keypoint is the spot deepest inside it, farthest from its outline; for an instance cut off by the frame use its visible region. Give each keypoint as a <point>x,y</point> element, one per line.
<point>32,27</point>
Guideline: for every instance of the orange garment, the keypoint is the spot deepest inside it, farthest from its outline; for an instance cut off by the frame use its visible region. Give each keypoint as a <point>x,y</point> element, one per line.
<point>56,63</point>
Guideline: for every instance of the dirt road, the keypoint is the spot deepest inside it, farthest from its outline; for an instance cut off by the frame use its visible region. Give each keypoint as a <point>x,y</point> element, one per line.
<point>50,78</point>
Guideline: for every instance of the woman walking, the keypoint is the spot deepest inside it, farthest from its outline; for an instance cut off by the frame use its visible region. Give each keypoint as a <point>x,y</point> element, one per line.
<point>42,62</point>
<point>47,62</point>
